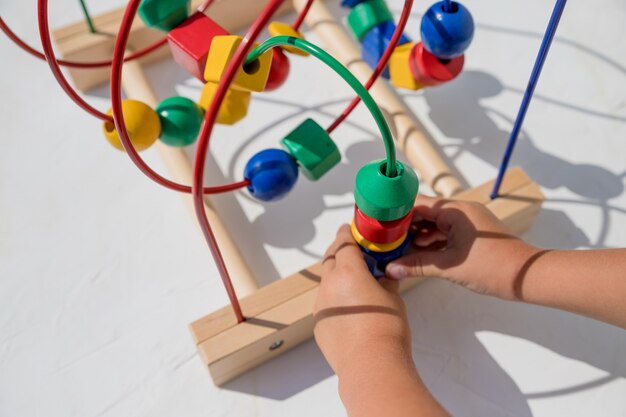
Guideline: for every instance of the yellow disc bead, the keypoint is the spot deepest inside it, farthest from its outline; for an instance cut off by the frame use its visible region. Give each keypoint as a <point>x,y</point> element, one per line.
<point>375,247</point>
<point>142,123</point>
<point>234,106</point>
<point>283,29</point>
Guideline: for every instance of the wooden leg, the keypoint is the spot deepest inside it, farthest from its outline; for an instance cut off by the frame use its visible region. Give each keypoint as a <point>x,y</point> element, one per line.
<point>179,167</point>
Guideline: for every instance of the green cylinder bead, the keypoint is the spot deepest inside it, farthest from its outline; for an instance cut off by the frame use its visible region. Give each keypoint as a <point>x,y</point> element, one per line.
<point>385,198</point>
<point>181,119</point>
<point>364,16</point>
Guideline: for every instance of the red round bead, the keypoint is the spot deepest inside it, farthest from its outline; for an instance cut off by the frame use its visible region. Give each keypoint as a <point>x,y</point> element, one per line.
<point>381,232</point>
<point>279,70</point>
<point>430,70</point>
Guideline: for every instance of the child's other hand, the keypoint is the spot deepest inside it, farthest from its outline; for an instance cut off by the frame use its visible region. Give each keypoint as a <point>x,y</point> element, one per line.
<point>358,320</point>
<point>465,243</point>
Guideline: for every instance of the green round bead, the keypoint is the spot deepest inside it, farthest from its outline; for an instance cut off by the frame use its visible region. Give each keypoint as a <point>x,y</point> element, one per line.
<point>181,119</point>
<point>385,198</point>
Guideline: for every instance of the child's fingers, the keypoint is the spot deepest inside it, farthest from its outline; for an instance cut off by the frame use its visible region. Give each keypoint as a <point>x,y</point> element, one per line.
<point>427,238</point>
<point>343,252</point>
<point>391,285</point>
<point>329,261</point>
<point>347,252</point>
<point>426,232</point>
<point>427,208</point>
<point>423,263</point>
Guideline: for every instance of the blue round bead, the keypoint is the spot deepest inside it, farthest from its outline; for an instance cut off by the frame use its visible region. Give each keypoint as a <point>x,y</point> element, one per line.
<point>447,34</point>
<point>272,174</point>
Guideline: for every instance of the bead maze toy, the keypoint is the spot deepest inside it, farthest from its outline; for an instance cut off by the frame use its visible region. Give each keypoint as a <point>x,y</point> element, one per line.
<point>261,323</point>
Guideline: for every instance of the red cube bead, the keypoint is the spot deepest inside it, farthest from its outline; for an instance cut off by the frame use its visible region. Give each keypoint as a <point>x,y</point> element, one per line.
<point>381,232</point>
<point>429,70</point>
<point>190,42</point>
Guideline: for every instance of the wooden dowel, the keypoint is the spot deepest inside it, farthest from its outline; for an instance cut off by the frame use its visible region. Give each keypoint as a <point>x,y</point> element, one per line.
<point>178,165</point>
<point>410,139</point>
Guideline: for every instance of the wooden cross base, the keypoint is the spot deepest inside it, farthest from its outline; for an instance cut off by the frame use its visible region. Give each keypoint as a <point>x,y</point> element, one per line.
<point>279,316</point>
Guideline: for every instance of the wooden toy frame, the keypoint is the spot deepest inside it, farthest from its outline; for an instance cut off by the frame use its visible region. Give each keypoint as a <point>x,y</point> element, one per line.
<point>279,315</point>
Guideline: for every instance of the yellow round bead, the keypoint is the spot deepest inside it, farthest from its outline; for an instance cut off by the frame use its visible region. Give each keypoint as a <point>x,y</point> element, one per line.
<point>375,247</point>
<point>142,123</point>
<point>283,29</point>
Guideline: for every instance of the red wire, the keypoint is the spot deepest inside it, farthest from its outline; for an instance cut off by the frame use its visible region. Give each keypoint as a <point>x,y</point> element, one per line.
<point>198,190</point>
<point>116,98</point>
<point>51,59</point>
<point>44,34</point>
<point>75,64</point>
<point>404,17</point>
<point>305,10</point>
<point>203,143</point>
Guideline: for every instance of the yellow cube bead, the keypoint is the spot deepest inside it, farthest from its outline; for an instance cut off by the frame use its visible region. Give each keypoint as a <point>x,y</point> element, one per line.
<point>400,70</point>
<point>249,78</point>
<point>283,29</point>
<point>142,123</point>
<point>233,108</point>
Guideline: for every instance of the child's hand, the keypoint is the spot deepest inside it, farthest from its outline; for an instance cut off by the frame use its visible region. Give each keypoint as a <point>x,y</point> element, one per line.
<point>362,328</point>
<point>465,243</point>
<point>357,317</point>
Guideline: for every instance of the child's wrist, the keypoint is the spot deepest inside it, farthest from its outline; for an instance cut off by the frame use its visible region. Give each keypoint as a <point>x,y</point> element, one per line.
<point>378,372</point>
<point>375,360</point>
<point>520,260</point>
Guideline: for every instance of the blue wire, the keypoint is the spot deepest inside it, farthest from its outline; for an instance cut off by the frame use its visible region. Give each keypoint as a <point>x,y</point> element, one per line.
<point>447,5</point>
<point>528,94</point>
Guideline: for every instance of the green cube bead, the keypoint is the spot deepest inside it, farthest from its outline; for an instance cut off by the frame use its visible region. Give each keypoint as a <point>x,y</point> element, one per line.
<point>364,16</point>
<point>164,15</point>
<point>181,119</point>
<point>313,148</point>
<point>385,198</point>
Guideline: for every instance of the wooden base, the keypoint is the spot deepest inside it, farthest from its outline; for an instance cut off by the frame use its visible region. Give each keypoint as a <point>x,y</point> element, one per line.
<point>279,315</point>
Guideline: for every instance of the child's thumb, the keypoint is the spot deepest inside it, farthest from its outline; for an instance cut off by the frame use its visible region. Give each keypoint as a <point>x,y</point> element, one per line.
<point>417,264</point>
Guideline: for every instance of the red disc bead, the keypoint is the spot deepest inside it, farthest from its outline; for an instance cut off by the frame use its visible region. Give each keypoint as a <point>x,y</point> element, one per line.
<point>430,70</point>
<point>381,232</point>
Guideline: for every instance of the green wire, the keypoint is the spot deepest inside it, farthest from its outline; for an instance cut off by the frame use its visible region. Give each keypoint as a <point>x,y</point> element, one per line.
<point>344,73</point>
<point>92,28</point>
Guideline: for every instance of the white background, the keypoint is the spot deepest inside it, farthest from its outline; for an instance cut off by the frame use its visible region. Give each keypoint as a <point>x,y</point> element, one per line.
<point>101,270</point>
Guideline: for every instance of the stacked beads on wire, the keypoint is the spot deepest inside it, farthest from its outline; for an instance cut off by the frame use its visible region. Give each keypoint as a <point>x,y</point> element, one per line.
<point>447,29</point>
<point>383,213</point>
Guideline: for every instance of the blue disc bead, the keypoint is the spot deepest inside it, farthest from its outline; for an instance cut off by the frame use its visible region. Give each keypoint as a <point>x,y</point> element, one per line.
<point>377,261</point>
<point>447,34</point>
<point>272,174</point>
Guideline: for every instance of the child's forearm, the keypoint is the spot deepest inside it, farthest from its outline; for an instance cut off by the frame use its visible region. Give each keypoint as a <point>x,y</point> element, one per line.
<point>589,282</point>
<point>385,383</point>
